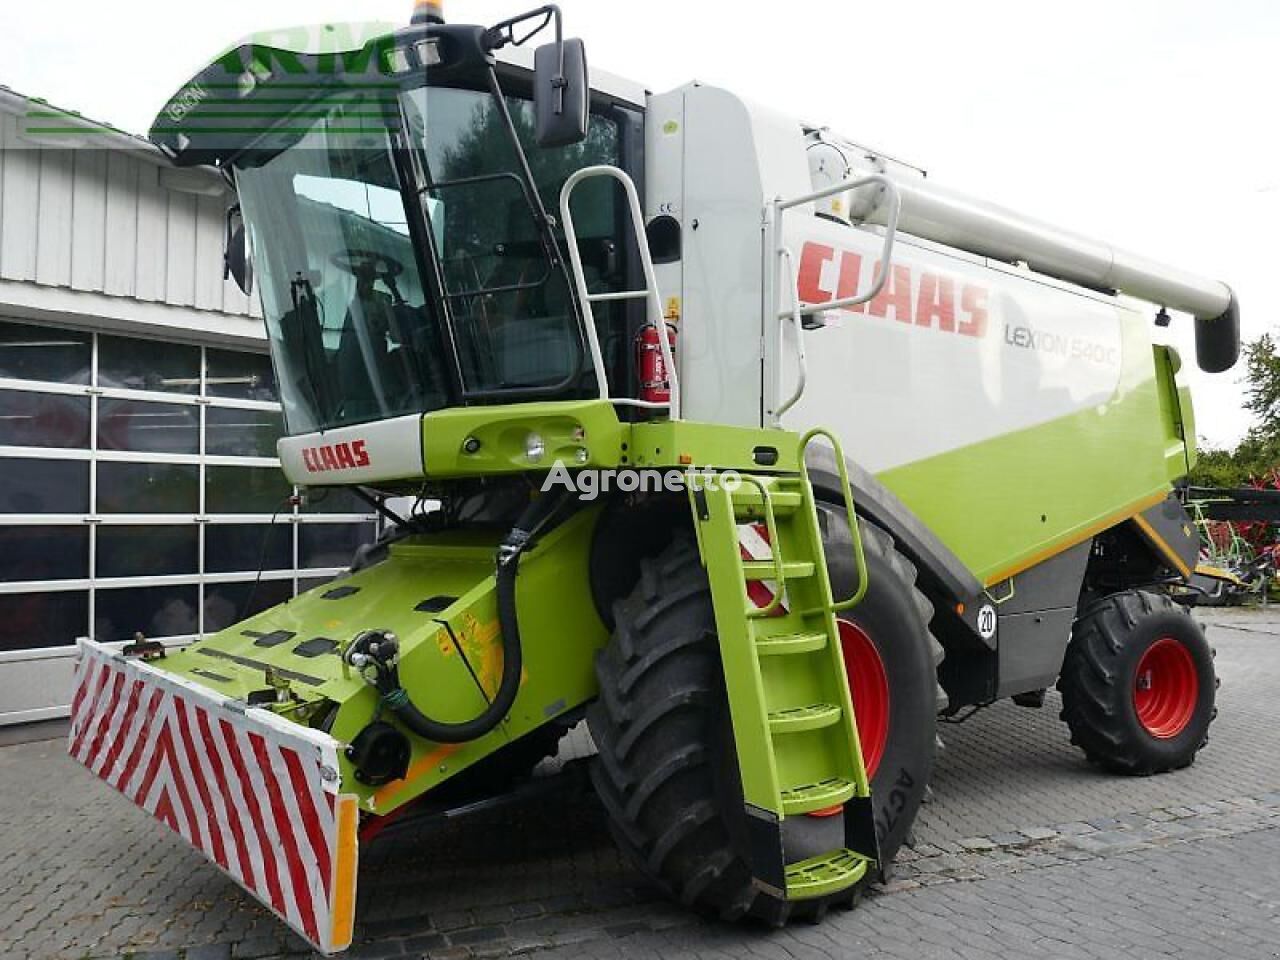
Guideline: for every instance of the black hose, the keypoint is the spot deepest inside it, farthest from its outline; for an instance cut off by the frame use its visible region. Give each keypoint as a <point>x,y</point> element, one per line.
<point>538,515</point>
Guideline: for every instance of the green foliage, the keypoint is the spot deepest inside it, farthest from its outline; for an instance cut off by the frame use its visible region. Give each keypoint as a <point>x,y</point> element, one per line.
<point>1218,468</point>
<point>1259,452</point>
<point>1255,456</point>
<point>1262,376</point>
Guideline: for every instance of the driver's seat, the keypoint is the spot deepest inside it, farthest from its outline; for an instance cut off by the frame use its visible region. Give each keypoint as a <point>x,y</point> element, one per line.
<point>371,383</point>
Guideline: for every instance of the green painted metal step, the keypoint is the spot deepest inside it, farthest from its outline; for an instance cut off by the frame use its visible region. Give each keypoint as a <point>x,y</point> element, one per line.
<point>802,719</point>
<point>766,570</point>
<point>790,643</point>
<point>817,796</point>
<point>828,873</point>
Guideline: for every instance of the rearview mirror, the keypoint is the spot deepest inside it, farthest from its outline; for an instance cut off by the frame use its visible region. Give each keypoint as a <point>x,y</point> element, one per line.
<point>561,93</point>
<point>236,262</point>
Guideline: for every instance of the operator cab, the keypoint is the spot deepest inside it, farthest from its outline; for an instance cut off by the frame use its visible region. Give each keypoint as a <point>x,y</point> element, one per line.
<point>395,197</point>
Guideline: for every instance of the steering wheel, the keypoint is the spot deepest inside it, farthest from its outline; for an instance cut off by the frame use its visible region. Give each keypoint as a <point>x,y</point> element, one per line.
<point>368,265</point>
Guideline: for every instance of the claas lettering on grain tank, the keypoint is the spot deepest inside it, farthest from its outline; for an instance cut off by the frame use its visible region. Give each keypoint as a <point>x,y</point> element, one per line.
<point>912,296</point>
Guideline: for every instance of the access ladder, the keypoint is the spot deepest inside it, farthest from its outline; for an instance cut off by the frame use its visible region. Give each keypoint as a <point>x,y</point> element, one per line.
<point>796,739</point>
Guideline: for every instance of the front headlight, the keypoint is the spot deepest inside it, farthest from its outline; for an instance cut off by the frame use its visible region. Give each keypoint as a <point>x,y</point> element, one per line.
<point>535,448</point>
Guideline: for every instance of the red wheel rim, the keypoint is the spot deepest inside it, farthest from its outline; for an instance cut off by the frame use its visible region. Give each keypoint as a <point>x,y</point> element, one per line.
<point>1166,688</point>
<point>869,688</point>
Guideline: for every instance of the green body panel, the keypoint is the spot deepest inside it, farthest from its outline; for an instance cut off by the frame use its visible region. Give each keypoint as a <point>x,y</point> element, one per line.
<point>1175,410</point>
<point>560,631</point>
<point>1188,410</point>
<point>560,626</point>
<point>709,445</point>
<point>569,428</point>
<point>1006,503</point>
<point>565,428</point>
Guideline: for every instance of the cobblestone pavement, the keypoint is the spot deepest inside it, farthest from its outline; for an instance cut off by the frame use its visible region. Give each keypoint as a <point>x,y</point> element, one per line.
<point>1025,851</point>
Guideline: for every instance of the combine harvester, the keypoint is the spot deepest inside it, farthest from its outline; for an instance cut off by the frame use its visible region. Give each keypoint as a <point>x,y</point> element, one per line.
<point>622,339</point>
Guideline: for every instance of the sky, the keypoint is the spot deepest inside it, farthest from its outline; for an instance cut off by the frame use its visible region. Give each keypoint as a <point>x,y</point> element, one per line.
<point>1150,124</point>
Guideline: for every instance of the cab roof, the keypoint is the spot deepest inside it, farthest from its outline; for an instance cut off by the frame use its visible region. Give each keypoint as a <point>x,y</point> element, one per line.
<point>247,95</point>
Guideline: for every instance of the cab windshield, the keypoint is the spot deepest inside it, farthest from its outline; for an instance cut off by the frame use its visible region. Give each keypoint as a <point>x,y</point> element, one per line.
<point>358,332</point>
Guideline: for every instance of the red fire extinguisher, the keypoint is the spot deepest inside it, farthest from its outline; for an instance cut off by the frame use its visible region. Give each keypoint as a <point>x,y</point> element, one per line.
<point>655,385</point>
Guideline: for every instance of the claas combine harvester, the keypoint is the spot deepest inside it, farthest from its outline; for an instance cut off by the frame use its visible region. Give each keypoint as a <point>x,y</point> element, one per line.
<point>743,442</point>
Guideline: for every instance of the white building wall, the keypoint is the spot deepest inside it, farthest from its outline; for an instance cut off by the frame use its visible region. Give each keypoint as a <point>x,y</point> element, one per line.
<point>112,218</point>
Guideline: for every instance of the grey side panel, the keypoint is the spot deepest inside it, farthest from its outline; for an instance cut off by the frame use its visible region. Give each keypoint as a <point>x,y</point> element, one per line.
<point>1035,623</point>
<point>1032,646</point>
<point>920,545</point>
<point>1171,534</point>
<point>1051,584</point>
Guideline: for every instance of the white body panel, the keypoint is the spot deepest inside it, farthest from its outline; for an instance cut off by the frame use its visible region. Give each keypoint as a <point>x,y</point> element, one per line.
<point>708,171</point>
<point>950,354</point>
<point>955,350</point>
<point>369,453</point>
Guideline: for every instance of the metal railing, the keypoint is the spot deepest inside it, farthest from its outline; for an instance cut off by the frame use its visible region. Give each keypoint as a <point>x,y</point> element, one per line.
<point>650,292</point>
<point>785,258</point>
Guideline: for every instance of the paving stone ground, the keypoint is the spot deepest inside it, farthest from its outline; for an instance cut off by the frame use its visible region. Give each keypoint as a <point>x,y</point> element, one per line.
<point>1025,851</point>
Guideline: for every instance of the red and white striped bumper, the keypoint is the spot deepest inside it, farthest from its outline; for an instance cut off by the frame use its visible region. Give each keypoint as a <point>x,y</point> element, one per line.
<point>254,793</point>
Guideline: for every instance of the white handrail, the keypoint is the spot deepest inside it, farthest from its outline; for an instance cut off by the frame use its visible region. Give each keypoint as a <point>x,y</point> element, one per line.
<point>798,311</point>
<point>797,320</point>
<point>650,292</point>
<point>894,197</point>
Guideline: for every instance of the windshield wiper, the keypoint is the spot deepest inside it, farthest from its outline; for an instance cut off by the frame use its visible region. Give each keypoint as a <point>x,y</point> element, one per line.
<point>306,315</point>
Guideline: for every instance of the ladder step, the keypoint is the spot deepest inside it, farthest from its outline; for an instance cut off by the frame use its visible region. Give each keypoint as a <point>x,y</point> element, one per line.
<point>817,796</point>
<point>790,643</point>
<point>800,719</point>
<point>765,570</point>
<point>825,874</point>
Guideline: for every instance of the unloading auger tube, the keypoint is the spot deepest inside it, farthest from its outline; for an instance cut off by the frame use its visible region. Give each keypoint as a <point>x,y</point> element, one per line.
<point>951,218</point>
<point>376,653</point>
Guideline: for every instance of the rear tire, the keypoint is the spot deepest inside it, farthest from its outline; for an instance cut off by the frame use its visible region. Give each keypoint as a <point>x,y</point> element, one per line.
<point>1138,684</point>
<point>666,769</point>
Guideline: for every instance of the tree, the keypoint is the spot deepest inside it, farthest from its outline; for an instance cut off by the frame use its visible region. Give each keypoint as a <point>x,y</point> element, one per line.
<point>1259,452</point>
<point>1262,375</point>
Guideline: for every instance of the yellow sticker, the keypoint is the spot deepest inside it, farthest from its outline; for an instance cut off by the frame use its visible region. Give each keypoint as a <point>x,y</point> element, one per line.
<point>673,308</point>
<point>671,128</point>
<point>444,643</point>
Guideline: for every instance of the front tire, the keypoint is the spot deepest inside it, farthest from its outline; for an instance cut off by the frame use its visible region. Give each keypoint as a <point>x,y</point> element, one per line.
<point>894,617</point>
<point>1138,684</point>
<point>666,769</point>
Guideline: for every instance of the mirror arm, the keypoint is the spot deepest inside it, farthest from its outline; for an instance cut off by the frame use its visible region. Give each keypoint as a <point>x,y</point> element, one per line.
<point>502,34</point>
<point>232,212</point>
<point>546,222</point>
<point>559,81</point>
<point>499,36</point>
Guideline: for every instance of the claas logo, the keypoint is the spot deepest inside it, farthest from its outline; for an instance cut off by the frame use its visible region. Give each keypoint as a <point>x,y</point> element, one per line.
<point>338,456</point>
<point>920,298</point>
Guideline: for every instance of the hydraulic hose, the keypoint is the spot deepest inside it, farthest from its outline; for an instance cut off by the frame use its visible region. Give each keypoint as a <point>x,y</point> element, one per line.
<point>380,649</point>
